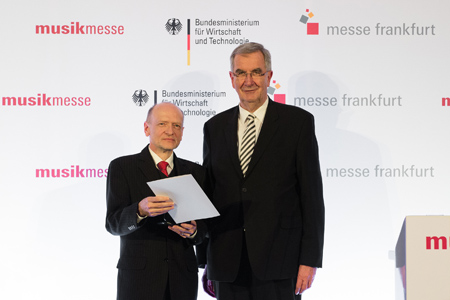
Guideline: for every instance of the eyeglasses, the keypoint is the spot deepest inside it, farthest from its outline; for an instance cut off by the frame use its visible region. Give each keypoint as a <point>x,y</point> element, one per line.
<point>253,74</point>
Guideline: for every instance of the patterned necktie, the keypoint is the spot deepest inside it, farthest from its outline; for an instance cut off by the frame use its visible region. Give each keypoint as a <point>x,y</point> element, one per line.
<point>162,165</point>
<point>248,143</point>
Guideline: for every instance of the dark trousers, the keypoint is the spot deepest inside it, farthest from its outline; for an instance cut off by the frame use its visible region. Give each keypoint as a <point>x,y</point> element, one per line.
<point>167,293</point>
<point>248,287</point>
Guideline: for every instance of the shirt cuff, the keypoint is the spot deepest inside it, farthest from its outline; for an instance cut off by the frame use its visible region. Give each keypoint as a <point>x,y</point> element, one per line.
<point>193,235</point>
<point>139,218</point>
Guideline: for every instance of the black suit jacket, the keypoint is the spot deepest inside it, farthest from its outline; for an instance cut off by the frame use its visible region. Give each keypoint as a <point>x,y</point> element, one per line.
<point>150,254</point>
<point>279,203</point>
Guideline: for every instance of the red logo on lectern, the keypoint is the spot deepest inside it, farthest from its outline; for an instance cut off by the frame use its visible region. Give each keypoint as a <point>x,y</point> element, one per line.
<point>438,242</point>
<point>445,101</point>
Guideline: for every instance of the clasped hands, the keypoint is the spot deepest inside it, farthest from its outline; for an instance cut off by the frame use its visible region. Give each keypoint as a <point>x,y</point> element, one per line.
<point>158,205</point>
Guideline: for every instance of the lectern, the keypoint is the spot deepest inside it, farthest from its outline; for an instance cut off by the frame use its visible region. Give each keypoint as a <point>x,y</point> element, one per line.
<point>423,258</point>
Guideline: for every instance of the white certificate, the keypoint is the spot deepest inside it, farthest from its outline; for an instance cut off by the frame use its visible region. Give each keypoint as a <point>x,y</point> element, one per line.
<point>191,203</point>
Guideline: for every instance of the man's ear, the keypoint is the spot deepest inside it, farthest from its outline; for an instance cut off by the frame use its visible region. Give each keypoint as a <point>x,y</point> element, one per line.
<point>146,129</point>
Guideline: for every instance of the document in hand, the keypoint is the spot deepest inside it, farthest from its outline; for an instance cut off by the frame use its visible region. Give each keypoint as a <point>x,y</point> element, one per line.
<point>191,203</point>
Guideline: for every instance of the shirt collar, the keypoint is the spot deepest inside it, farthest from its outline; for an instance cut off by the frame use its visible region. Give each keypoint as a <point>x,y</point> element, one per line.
<point>157,159</point>
<point>259,113</point>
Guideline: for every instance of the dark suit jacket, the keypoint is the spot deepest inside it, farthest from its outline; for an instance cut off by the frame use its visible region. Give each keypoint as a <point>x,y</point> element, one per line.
<point>150,254</point>
<point>279,203</point>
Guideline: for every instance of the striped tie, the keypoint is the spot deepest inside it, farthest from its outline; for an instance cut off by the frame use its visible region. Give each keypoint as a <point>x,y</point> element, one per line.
<point>248,143</point>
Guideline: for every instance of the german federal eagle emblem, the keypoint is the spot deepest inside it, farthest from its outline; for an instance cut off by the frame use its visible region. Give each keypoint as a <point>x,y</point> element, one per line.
<point>140,97</point>
<point>173,26</point>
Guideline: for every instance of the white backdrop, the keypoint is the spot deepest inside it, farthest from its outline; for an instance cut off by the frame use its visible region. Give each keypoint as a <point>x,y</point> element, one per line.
<point>53,236</point>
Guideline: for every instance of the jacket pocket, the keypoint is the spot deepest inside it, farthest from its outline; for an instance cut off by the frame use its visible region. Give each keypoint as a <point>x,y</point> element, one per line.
<point>131,263</point>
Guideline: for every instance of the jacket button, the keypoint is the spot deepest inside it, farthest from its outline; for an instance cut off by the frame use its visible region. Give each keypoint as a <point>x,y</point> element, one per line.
<point>244,190</point>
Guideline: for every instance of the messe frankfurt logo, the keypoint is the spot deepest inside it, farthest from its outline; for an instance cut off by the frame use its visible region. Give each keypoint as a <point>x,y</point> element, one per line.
<point>173,26</point>
<point>280,98</point>
<point>311,28</point>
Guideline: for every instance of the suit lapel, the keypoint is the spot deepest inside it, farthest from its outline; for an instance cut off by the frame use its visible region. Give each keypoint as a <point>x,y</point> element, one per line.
<point>231,136</point>
<point>147,167</point>
<point>180,166</point>
<point>268,129</point>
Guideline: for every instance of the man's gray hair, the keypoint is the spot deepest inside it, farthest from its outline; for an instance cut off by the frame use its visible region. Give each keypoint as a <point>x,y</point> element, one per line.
<point>252,47</point>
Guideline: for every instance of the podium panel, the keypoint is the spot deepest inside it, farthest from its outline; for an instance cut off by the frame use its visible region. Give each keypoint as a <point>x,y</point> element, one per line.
<point>423,258</point>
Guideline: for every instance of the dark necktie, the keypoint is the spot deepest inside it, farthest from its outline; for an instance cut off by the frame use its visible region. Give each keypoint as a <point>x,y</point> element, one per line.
<point>162,165</point>
<point>248,143</point>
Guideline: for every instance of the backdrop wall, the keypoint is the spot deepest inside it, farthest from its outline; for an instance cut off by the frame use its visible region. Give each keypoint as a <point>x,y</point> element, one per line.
<point>77,78</point>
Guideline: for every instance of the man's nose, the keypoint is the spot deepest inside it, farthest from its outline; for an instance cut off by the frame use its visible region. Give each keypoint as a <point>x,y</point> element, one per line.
<point>248,79</point>
<point>169,130</point>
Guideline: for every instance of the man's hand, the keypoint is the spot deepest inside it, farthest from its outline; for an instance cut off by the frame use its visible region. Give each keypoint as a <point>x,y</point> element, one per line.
<point>155,206</point>
<point>185,230</point>
<point>305,278</point>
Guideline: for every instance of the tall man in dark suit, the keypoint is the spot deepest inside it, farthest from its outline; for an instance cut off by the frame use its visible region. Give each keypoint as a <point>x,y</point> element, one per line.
<point>157,261</point>
<point>264,178</point>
